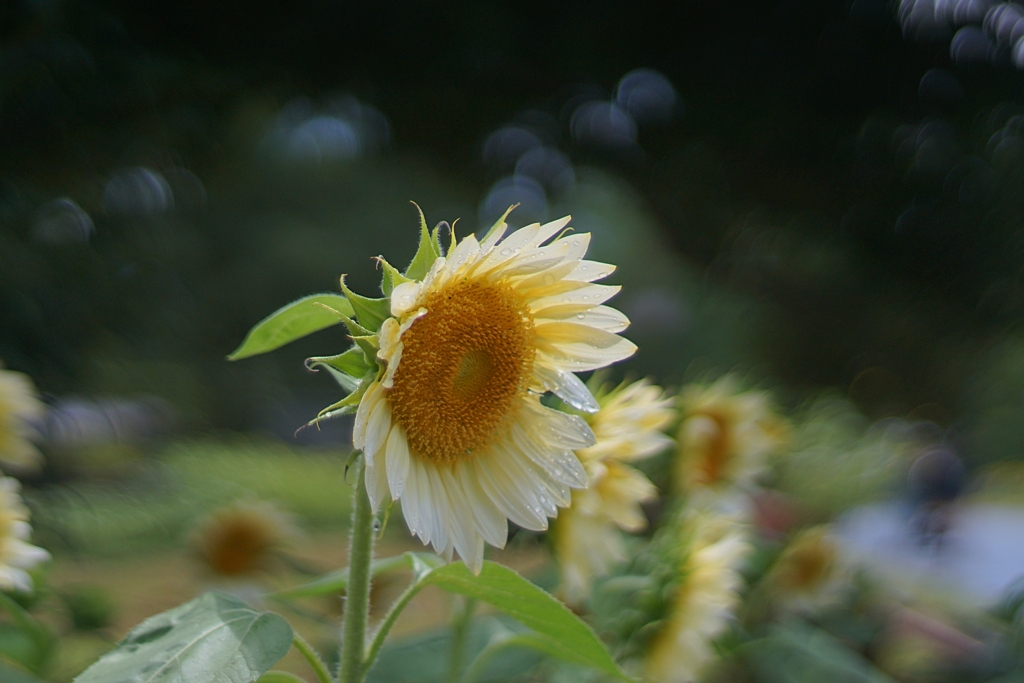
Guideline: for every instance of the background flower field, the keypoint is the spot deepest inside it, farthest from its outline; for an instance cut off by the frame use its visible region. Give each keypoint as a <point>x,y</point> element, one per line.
<point>815,215</point>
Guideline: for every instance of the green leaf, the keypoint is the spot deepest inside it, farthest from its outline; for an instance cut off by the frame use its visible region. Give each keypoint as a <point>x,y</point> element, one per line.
<point>26,641</point>
<point>213,639</point>
<point>9,674</point>
<point>566,636</point>
<point>799,652</point>
<point>426,657</point>
<point>336,581</point>
<point>279,677</point>
<point>428,251</point>
<point>371,313</point>
<point>291,322</point>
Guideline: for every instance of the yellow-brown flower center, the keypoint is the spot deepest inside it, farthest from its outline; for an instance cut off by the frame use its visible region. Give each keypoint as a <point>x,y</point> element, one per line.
<point>464,366</point>
<point>713,461</point>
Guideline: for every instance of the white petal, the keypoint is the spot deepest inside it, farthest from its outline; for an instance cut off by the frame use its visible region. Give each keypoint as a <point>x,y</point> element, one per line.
<point>577,301</point>
<point>376,482</point>
<point>529,262</point>
<point>465,253</point>
<point>577,245</point>
<point>574,333</point>
<point>366,404</point>
<point>26,555</point>
<point>377,427</point>
<point>549,230</point>
<point>21,529</point>
<point>602,317</point>
<point>461,527</point>
<point>580,357</point>
<point>560,464</point>
<point>15,579</point>
<point>532,485</point>
<point>567,387</point>
<point>490,522</point>
<point>510,246</point>
<point>506,495</point>
<point>567,431</point>
<point>405,297</point>
<point>488,244</point>
<point>411,500</point>
<point>588,271</point>
<point>397,461</point>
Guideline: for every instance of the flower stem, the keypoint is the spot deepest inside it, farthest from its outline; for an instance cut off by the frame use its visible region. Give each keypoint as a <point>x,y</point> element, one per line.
<point>357,594</point>
<point>307,651</point>
<point>459,632</point>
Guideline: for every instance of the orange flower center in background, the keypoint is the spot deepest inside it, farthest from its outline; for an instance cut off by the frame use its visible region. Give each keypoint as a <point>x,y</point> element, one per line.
<point>237,545</point>
<point>808,564</point>
<point>717,451</point>
<point>464,365</point>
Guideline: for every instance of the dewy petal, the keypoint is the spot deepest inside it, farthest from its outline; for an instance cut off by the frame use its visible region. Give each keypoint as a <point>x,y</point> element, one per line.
<point>576,301</point>
<point>461,527</point>
<point>509,247</point>
<point>397,461</point>
<point>376,482</point>
<point>567,387</point>
<point>405,297</point>
<point>561,429</point>
<point>490,522</point>
<point>506,495</point>
<point>377,427</point>
<point>549,230</point>
<point>580,357</point>
<point>369,400</point>
<point>574,333</point>
<point>588,271</point>
<point>602,317</point>
<point>561,465</point>
<point>465,253</point>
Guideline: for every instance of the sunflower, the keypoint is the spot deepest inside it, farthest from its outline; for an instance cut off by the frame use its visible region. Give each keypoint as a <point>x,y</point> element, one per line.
<point>16,554</point>
<point>725,436</point>
<point>238,539</point>
<point>19,407</point>
<point>808,573</point>
<point>453,425</point>
<point>628,426</point>
<point>703,602</point>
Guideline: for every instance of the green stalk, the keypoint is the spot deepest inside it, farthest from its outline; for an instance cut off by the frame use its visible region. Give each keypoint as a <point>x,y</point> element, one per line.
<point>317,664</point>
<point>459,631</point>
<point>357,594</point>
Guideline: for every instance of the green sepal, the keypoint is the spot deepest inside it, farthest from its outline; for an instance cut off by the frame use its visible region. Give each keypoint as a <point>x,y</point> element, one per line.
<point>371,313</point>
<point>435,237</point>
<point>369,344</point>
<point>498,223</point>
<point>428,251</point>
<point>346,405</point>
<point>364,338</point>
<point>290,322</point>
<point>346,368</point>
<point>392,278</point>
<point>352,362</point>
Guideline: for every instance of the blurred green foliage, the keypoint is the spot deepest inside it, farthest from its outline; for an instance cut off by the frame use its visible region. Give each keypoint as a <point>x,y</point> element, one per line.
<point>169,494</point>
